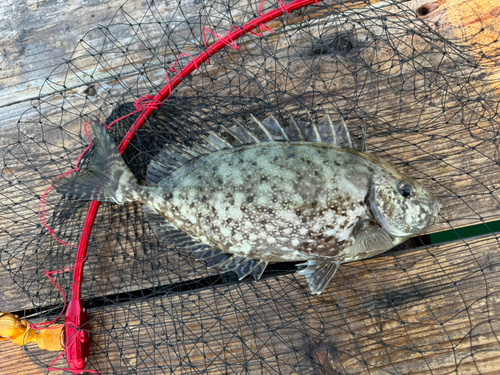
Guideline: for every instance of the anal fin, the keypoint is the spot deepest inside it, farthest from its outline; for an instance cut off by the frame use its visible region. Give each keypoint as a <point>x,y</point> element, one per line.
<point>211,256</point>
<point>244,267</point>
<point>241,266</point>
<point>318,274</point>
<point>169,234</point>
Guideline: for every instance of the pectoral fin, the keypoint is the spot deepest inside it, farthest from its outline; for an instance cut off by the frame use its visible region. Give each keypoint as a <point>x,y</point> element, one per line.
<point>370,239</point>
<point>318,274</point>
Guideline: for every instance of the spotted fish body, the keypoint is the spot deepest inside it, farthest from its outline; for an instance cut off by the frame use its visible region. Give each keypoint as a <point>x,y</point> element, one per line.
<point>267,193</point>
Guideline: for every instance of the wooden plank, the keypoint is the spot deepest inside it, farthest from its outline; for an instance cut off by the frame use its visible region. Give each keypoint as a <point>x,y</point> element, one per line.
<point>16,360</point>
<point>384,327</point>
<point>432,310</point>
<point>43,56</point>
<point>431,153</point>
<point>412,312</point>
<point>56,23</point>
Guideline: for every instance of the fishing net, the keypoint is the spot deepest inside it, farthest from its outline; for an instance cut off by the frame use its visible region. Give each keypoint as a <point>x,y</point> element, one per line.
<point>429,102</point>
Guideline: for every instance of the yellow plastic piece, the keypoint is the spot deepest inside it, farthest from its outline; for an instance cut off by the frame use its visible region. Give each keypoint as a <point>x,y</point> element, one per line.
<point>18,331</point>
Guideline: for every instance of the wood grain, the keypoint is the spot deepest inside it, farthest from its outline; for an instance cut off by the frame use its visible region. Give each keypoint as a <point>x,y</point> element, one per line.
<point>457,162</point>
<point>16,360</point>
<point>431,310</point>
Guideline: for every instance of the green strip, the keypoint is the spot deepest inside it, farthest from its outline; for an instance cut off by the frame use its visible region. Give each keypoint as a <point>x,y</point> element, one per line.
<point>472,231</point>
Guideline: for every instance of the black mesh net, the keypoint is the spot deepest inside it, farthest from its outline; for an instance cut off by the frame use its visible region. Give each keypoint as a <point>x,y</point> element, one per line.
<point>431,110</point>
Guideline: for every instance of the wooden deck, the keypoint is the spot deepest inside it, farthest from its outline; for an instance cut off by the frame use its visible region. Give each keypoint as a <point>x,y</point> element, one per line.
<point>419,311</point>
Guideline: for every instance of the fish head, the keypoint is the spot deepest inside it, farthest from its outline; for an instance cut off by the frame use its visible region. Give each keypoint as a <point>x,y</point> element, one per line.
<point>402,206</point>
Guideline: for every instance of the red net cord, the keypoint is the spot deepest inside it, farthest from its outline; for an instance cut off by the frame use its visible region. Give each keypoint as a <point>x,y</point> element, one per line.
<point>76,318</point>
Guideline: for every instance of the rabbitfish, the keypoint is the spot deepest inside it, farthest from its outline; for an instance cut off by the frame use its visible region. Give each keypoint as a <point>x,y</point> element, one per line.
<point>266,192</point>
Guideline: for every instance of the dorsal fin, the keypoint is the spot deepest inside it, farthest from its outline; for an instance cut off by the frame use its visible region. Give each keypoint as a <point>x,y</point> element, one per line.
<point>231,136</point>
<point>268,136</point>
<point>293,130</point>
<point>275,129</point>
<point>346,132</point>
<point>327,130</point>
<point>255,132</point>
<point>308,131</point>
<point>246,136</point>
<point>258,131</point>
<point>219,142</point>
<point>168,160</point>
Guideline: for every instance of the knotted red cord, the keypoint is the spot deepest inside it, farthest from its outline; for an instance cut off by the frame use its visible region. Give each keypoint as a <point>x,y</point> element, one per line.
<point>233,34</point>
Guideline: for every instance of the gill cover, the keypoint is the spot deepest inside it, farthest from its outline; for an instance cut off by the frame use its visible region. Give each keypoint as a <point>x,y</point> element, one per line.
<point>403,207</point>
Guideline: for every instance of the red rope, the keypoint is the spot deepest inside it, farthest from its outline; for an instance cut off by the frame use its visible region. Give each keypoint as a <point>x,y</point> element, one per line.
<point>151,104</point>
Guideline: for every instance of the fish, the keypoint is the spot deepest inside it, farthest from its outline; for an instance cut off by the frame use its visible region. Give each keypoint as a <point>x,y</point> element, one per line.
<point>264,192</point>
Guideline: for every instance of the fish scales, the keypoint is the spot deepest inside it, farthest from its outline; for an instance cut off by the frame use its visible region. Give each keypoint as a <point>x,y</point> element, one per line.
<point>267,193</point>
<point>276,202</point>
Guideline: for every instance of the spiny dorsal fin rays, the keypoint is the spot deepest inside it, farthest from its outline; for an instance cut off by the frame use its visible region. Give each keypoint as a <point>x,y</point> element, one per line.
<point>235,141</point>
<point>364,146</point>
<point>210,147</point>
<point>315,128</point>
<point>275,129</point>
<point>348,136</point>
<point>316,131</point>
<point>171,158</point>
<point>211,143</point>
<point>297,128</point>
<point>245,132</point>
<point>219,141</point>
<point>182,153</point>
<point>331,126</point>
<point>256,132</point>
<point>191,152</point>
<point>174,155</point>
<point>263,128</point>
<point>282,130</point>
<point>201,149</point>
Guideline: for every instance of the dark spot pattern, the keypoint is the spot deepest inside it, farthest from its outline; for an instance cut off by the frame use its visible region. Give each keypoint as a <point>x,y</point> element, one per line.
<point>308,211</point>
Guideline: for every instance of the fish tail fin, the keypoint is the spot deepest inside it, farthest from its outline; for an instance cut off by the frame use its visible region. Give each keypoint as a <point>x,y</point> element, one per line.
<point>107,179</point>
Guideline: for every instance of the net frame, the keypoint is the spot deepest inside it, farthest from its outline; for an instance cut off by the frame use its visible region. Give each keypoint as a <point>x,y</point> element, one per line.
<point>76,317</point>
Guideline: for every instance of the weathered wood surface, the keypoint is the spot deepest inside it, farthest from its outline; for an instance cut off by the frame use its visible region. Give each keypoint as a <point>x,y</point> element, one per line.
<point>466,166</point>
<point>431,310</point>
<point>463,165</point>
<point>15,360</point>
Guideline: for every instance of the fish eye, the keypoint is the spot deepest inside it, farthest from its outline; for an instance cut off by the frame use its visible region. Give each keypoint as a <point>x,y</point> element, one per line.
<point>406,189</point>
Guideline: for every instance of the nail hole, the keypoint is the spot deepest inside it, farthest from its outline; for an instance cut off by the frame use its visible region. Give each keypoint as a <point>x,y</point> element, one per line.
<point>426,9</point>
<point>320,49</point>
<point>423,11</point>
<point>341,44</point>
<point>90,91</point>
